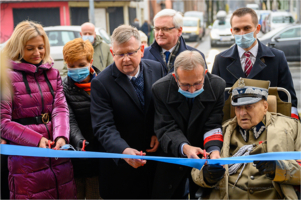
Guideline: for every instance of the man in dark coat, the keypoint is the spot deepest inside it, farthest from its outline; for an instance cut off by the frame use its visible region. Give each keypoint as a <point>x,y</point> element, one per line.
<point>123,117</point>
<point>249,58</point>
<point>168,42</point>
<point>188,118</point>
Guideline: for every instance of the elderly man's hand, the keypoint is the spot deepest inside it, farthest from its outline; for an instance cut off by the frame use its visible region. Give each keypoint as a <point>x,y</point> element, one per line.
<point>213,173</point>
<point>154,144</point>
<point>266,167</point>
<point>192,152</point>
<point>134,162</point>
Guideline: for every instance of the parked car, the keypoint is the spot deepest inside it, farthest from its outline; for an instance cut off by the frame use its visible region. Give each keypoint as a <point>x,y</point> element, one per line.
<point>60,35</point>
<point>286,39</point>
<point>277,19</point>
<point>192,29</point>
<point>199,15</point>
<point>220,33</point>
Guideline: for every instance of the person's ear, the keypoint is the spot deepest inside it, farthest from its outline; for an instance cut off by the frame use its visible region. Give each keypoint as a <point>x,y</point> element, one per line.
<point>81,34</point>
<point>257,28</point>
<point>91,62</point>
<point>111,50</point>
<point>231,31</point>
<point>142,50</point>
<point>180,31</point>
<point>266,106</point>
<point>206,71</point>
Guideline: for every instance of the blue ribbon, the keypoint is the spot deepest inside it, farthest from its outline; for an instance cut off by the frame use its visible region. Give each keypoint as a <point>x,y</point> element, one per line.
<point>16,150</point>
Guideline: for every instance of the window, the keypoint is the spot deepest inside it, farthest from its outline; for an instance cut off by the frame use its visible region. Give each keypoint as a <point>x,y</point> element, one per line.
<point>291,33</point>
<point>60,38</point>
<point>283,19</point>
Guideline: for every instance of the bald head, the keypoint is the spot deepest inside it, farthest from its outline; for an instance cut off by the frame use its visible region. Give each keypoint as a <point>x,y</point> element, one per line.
<point>88,29</point>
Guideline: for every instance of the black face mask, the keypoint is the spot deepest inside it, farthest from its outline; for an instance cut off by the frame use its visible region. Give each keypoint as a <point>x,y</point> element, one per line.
<point>37,65</point>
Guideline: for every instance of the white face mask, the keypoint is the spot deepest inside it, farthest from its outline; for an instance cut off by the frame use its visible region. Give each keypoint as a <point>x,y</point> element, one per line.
<point>88,37</point>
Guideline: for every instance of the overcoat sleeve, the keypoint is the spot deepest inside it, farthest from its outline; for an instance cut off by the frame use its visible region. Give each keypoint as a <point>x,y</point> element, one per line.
<point>102,117</point>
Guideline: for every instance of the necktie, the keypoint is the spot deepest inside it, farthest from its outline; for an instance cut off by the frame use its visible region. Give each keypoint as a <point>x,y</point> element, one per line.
<point>138,84</point>
<point>167,53</point>
<point>248,63</point>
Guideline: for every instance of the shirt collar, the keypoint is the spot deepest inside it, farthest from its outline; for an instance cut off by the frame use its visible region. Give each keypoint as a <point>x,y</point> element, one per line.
<point>136,75</point>
<point>253,51</point>
<point>170,50</point>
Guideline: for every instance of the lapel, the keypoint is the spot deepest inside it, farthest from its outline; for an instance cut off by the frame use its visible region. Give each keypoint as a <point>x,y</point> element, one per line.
<point>198,107</point>
<point>148,82</point>
<point>235,67</point>
<point>123,81</point>
<point>155,50</point>
<point>259,65</point>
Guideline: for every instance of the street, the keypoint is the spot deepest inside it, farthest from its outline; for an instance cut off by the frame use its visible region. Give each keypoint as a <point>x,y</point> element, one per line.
<point>210,53</point>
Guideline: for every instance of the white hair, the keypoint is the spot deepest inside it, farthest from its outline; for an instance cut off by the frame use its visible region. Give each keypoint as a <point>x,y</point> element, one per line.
<point>177,18</point>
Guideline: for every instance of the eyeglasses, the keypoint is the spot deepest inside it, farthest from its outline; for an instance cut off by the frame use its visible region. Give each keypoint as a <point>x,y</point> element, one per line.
<point>164,29</point>
<point>129,54</point>
<point>186,87</point>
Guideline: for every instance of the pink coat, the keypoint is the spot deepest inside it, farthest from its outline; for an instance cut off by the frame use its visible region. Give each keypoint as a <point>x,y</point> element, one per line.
<point>34,177</point>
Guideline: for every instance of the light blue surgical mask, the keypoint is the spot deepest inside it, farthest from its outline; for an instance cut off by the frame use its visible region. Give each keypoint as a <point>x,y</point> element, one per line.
<point>79,74</point>
<point>244,41</point>
<point>88,37</point>
<point>191,95</point>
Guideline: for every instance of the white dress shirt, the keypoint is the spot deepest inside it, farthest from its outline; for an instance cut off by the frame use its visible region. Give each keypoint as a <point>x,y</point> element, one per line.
<point>242,56</point>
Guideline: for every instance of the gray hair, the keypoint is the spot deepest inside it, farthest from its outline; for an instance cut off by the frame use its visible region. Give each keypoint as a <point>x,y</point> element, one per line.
<point>188,60</point>
<point>124,33</point>
<point>177,18</point>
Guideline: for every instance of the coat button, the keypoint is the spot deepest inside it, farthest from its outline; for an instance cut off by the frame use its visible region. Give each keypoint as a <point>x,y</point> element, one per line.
<point>170,187</point>
<point>252,177</point>
<point>251,191</point>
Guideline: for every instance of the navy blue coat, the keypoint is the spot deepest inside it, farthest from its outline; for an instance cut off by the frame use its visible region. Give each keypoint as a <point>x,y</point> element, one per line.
<point>270,65</point>
<point>153,52</point>
<point>119,122</point>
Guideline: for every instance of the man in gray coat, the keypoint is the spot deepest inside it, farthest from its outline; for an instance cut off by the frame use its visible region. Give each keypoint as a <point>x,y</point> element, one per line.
<point>188,117</point>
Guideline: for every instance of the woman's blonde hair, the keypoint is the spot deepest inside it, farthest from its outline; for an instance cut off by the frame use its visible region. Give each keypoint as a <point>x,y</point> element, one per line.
<point>78,49</point>
<point>23,32</point>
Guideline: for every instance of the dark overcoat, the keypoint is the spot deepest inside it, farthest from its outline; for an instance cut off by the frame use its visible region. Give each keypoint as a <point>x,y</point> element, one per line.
<point>270,65</point>
<point>153,52</point>
<point>119,122</point>
<point>175,124</point>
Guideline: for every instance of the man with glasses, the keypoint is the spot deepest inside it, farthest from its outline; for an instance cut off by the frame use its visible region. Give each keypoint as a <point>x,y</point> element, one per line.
<point>188,117</point>
<point>122,113</point>
<point>169,43</point>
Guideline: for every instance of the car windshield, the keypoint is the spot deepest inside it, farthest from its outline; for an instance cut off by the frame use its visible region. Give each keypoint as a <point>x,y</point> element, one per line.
<point>190,23</point>
<point>221,24</point>
<point>282,19</point>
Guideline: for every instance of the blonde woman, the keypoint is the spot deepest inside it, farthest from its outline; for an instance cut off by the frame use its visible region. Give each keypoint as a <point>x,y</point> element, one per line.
<point>36,115</point>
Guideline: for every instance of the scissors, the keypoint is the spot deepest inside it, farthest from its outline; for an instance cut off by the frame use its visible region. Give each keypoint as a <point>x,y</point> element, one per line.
<point>50,143</point>
<point>141,154</point>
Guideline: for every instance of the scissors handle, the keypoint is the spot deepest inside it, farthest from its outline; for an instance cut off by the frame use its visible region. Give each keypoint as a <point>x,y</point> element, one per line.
<point>84,145</point>
<point>141,154</point>
<point>50,143</point>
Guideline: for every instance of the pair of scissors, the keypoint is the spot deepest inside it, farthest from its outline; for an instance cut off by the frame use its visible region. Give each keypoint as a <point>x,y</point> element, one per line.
<point>50,143</point>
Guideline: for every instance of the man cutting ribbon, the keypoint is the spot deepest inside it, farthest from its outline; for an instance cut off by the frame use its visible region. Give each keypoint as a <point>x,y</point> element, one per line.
<point>254,130</point>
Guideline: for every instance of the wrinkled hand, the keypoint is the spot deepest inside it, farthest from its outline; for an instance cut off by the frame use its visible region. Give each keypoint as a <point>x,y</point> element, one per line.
<point>154,144</point>
<point>43,142</point>
<point>215,155</point>
<point>266,167</point>
<point>134,162</point>
<point>59,143</point>
<point>192,152</point>
<point>213,173</point>
<point>79,144</point>
<point>2,141</point>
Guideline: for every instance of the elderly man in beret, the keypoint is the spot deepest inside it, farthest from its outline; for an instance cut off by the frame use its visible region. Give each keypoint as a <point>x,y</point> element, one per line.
<point>254,130</point>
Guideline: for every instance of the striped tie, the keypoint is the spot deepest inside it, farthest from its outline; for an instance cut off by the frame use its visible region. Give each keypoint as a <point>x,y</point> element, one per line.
<point>248,63</point>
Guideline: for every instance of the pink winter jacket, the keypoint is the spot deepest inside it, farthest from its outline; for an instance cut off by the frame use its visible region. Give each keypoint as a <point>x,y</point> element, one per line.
<point>34,177</point>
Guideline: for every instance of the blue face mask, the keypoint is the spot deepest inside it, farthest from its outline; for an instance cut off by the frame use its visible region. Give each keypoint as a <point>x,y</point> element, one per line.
<point>88,37</point>
<point>79,74</point>
<point>191,95</point>
<point>245,41</point>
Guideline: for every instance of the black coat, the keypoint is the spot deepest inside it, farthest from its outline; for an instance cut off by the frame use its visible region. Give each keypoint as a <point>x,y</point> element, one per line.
<point>119,122</point>
<point>153,52</point>
<point>270,65</point>
<point>81,126</point>
<point>176,124</point>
